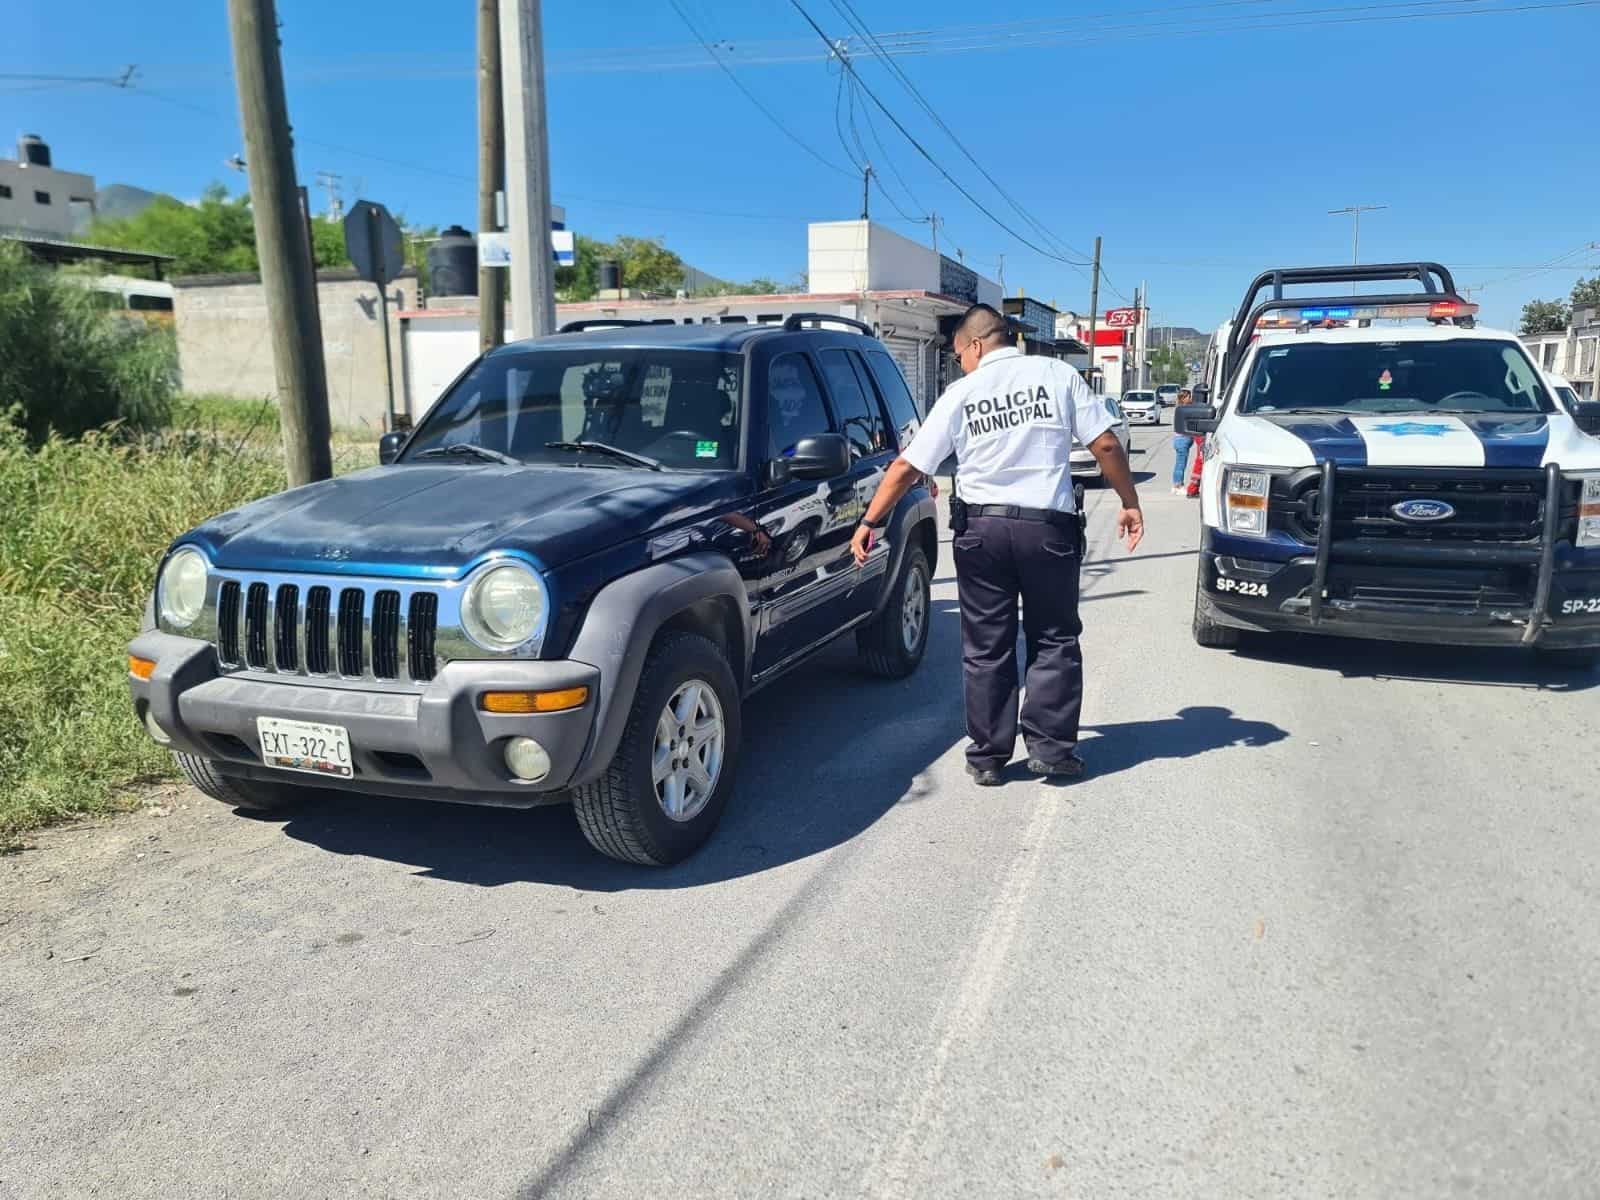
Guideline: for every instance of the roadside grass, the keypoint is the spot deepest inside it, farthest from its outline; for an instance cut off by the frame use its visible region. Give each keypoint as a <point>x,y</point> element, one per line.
<point>84,525</point>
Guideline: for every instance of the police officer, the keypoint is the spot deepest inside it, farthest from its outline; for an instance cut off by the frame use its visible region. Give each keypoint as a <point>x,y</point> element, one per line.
<point>1011,422</point>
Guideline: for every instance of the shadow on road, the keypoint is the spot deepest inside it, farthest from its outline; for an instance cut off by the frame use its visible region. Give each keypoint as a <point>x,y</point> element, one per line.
<point>827,751</point>
<point>1194,731</point>
<point>1477,666</point>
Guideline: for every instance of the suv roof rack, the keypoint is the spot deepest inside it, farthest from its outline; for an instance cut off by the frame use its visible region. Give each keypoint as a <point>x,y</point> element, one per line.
<point>601,323</point>
<point>1438,288</point>
<point>796,321</point>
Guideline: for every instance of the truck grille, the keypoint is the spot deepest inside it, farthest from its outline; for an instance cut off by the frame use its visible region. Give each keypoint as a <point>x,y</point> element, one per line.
<point>352,632</point>
<point>1494,507</point>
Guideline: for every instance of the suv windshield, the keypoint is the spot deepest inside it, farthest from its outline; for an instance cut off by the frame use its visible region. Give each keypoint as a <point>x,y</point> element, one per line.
<point>677,407</point>
<point>1459,375</point>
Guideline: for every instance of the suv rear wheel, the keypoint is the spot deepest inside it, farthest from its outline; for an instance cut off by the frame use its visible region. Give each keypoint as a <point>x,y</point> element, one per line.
<point>892,643</point>
<point>664,792</point>
<point>254,795</point>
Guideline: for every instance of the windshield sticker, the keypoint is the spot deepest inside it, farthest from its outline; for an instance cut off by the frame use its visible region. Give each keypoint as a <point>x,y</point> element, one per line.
<point>705,449</point>
<point>1385,381</point>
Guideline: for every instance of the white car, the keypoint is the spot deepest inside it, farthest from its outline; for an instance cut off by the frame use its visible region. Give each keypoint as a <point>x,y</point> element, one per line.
<point>1143,408</point>
<point>1405,482</point>
<point>1167,393</point>
<point>1084,464</point>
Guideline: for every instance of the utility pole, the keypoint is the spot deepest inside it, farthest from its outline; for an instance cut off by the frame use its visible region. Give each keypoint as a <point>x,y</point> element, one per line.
<point>933,224</point>
<point>532,271</point>
<point>285,257</point>
<point>866,191</point>
<point>491,174</point>
<point>1000,270</point>
<point>1354,211</point>
<point>1094,307</point>
<point>329,183</point>
<point>1140,338</point>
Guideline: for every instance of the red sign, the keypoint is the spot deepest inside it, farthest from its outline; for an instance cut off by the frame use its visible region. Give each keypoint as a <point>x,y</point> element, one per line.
<point>1122,318</point>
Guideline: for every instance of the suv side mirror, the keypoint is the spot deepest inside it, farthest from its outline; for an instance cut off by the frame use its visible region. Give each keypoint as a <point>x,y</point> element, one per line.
<point>1587,415</point>
<point>1193,419</point>
<point>389,445</point>
<point>825,456</point>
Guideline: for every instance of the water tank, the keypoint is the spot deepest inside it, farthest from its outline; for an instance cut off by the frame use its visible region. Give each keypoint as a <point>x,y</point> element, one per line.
<point>610,275</point>
<point>32,151</point>
<point>453,264</point>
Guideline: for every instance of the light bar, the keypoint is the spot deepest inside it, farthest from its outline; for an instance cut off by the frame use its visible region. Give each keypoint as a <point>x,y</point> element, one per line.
<point>1322,314</point>
<point>1437,310</point>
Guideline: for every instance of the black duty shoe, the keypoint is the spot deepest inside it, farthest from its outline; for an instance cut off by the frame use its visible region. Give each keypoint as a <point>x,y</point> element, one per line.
<point>1070,767</point>
<point>985,776</point>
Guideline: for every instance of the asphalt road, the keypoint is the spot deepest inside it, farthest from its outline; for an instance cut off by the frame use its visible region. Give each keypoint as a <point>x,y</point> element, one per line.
<point>1322,923</point>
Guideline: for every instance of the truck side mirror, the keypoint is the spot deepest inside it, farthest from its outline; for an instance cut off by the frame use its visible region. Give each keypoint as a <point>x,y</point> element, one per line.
<point>389,445</point>
<point>1587,415</point>
<point>1194,419</point>
<point>825,456</point>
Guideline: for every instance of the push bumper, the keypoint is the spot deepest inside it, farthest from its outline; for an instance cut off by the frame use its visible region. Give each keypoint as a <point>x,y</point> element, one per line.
<point>436,743</point>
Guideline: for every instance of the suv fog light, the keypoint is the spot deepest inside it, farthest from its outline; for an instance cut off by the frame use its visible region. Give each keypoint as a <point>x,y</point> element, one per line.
<point>526,759</point>
<point>157,734</point>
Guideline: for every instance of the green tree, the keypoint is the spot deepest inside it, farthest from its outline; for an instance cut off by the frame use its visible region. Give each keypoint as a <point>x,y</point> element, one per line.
<point>216,234</point>
<point>1544,316</point>
<point>1167,365</point>
<point>1586,292</point>
<point>647,266</point>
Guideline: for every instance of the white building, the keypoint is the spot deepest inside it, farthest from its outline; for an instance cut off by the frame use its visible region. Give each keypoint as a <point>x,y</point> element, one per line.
<point>37,199</point>
<point>1571,352</point>
<point>856,269</point>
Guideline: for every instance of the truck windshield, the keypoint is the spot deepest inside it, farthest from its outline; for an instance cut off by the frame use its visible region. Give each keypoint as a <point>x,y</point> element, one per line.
<point>1457,375</point>
<point>679,408</point>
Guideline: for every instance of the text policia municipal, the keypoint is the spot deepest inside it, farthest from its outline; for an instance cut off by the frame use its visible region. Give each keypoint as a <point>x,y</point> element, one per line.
<point>1007,412</point>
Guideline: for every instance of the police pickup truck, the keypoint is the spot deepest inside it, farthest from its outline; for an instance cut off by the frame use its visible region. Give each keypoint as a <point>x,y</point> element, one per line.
<point>1376,466</point>
<point>558,589</point>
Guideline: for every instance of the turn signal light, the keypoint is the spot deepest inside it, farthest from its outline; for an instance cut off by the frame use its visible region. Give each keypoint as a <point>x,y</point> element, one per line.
<point>517,703</point>
<point>141,668</point>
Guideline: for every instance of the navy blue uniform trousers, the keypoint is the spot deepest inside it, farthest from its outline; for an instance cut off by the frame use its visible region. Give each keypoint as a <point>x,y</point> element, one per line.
<point>1000,560</point>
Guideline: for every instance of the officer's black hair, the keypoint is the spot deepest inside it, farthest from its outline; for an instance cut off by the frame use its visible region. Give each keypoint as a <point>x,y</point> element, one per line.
<point>996,324</point>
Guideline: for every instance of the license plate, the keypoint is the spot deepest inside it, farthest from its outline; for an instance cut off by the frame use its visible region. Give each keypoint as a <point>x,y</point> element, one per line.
<point>305,746</point>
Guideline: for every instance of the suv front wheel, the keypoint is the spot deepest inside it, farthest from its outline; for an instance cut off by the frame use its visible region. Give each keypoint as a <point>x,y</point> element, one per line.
<point>665,790</point>
<point>249,795</point>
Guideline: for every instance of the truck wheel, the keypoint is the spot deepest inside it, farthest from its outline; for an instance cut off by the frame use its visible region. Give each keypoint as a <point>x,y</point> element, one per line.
<point>252,794</point>
<point>664,792</point>
<point>892,643</point>
<point>1584,658</point>
<point>1206,631</point>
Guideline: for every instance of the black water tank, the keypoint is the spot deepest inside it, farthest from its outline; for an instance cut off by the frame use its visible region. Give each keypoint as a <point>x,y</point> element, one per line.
<point>610,275</point>
<point>453,264</point>
<point>32,152</point>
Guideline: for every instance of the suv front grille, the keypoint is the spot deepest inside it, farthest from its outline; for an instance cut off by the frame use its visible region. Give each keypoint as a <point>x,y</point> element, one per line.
<point>1491,507</point>
<point>350,632</point>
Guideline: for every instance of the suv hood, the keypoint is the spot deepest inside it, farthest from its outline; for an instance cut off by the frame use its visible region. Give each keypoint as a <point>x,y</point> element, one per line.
<point>1494,440</point>
<point>437,519</point>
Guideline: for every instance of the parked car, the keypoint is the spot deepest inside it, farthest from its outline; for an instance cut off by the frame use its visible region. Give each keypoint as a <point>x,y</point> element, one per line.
<point>1084,464</point>
<point>559,588</point>
<point>1142,407</point>
<point>1167,393</point>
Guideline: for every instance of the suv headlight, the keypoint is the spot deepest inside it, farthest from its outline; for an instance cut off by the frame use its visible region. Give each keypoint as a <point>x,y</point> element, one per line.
<point>504,608</point>
<point>1244,494</point>
<point>1588,510</point>
<point>181,589</point>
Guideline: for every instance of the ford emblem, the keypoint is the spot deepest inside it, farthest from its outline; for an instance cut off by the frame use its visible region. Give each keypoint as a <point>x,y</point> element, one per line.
<point>1423,510</point>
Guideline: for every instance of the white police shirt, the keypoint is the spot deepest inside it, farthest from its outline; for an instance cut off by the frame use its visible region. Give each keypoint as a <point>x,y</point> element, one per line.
<point>1011,424</point>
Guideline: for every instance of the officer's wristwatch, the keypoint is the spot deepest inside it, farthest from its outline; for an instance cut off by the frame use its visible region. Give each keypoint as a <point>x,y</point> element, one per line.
<point>873,525</point>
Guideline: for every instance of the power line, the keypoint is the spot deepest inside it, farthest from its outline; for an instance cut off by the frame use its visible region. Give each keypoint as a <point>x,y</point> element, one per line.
<point>752,97</point>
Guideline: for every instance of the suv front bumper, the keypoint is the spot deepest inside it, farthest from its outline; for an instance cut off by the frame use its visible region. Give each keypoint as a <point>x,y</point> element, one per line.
<point>435,743</point>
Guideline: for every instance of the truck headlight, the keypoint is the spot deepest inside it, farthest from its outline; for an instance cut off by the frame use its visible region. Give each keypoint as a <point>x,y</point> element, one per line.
<point>504,608</point>
<point>1589,511</point>
<point>182,588</point>
<point>1245,501</point>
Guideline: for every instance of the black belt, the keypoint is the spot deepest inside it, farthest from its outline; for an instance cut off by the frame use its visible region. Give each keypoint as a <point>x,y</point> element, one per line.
<point>1049,516</point>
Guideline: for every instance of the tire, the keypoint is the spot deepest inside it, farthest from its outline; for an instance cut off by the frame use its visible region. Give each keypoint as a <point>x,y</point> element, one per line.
<point>621,813</point>
<point>1586,658</point>
<point>252,795</point>
<point>890,647</point>
<point>1207,632</point>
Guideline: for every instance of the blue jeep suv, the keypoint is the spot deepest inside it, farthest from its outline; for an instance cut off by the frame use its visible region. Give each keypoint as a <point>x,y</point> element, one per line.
<point>558,587</point>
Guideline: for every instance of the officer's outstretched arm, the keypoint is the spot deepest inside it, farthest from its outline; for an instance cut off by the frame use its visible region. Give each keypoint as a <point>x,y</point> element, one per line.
<point>1107,450</point>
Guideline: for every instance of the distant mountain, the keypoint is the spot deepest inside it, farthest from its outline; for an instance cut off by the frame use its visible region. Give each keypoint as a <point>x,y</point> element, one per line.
<point>114,202</point>
<point>1159,334</point>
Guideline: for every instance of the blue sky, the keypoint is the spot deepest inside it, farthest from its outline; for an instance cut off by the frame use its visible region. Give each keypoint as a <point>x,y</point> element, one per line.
<point>1199,157</point>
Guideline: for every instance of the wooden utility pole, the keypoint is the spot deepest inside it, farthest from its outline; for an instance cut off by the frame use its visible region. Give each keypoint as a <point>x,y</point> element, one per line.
<point>491,173</point>
<point>281,242</point>
<point>1094,308</point>
<point>532,271</point>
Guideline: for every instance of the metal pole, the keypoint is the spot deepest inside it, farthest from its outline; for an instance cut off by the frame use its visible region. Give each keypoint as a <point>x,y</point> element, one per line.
<point>866,192</point>
<point>285,258</point>
<point>1094,308</point>
<point>533,298</point>
<point>376,234</point>
<point>491,173</point>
